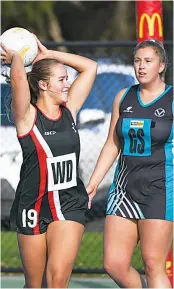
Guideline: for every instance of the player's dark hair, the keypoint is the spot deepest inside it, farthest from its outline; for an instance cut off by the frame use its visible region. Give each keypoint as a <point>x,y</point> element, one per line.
<point>41,70</point>
<point>159,50</point>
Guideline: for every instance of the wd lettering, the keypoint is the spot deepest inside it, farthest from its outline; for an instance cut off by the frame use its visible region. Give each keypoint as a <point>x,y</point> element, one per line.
<point>61,172</point>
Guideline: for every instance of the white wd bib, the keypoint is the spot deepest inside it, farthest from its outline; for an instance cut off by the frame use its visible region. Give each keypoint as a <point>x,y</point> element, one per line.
<point>61,172</point>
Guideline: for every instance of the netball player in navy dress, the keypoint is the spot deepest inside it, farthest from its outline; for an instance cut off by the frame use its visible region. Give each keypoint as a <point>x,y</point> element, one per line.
<point>50,205</point>
<point>140,200</point>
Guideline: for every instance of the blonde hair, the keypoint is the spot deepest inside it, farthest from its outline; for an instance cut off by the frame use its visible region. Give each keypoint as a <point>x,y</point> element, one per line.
<point>159,50</point>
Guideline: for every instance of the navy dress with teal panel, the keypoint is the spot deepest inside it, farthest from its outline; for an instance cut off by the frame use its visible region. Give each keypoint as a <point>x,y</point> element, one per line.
<point>143,180</point>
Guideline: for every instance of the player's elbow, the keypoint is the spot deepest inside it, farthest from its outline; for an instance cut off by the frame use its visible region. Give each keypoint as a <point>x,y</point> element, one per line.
<point>94,66</point>
<point>91,67</point>
<point>111,148</point>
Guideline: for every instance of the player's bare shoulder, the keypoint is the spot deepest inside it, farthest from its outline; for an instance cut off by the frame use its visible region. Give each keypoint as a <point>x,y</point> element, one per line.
<point>119,97</point>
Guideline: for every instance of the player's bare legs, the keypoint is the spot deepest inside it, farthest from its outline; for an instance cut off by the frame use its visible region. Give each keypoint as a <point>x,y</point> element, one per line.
<point>33,255</point>
<point>63,242</point>
<point>120,240</point>
<point>155,241</point>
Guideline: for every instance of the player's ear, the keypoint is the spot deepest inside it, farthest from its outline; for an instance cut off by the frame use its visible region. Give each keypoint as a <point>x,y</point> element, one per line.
<point>162,67</point>
<point>42,85</point>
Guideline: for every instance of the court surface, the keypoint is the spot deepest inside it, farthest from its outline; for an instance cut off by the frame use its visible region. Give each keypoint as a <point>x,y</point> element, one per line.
<point>18,282</point>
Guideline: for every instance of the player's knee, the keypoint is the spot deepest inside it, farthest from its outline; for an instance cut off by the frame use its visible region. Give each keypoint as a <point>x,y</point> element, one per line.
<point>59,281</point>
<point>153,266</point>
<point>116,267</point>
<point>57,278</point>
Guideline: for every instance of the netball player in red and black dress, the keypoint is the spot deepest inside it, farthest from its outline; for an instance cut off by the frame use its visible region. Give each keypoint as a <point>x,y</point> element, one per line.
<point>50,205</point>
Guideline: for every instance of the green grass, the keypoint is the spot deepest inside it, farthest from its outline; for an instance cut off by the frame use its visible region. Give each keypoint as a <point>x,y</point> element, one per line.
<point>91,251</point>
<point>90,254</point>
<point>9,250</point>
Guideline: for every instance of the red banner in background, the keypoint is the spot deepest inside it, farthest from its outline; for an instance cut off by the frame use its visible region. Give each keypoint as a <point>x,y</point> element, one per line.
<point>149,20</point>
<point>169,266</point>
<point>149,23</point>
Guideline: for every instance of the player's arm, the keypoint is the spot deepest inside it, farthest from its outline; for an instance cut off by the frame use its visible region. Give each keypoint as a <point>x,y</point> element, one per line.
<point>82,85</point>
<point>19,84</point>
<point>109,151</point>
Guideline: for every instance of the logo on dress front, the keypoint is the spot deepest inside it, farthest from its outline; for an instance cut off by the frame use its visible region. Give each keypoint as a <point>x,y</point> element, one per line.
<point>160,112</point>
<point>73,127</point>
<point>52,132</point>
<point>137,123</point>
<point>128,109</point>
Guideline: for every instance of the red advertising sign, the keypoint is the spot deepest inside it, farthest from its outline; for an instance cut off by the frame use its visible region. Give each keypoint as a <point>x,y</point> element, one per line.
<point>169,266</point>
<point>149,20</point>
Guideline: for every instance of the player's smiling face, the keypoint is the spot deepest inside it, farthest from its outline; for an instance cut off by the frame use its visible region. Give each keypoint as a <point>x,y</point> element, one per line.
<point>58,85</point>
<point>147,65</point>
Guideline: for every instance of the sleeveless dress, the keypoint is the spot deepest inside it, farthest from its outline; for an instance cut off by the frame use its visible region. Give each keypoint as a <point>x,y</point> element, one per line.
<point>49,188</point>
<point>143,180</point>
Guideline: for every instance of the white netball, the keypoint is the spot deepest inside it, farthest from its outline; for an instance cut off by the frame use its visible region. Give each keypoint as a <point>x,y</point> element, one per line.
<point>22,41</point>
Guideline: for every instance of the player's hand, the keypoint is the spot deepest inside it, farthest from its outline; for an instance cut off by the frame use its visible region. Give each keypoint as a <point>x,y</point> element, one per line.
<point>43,52</point>
<point>6,54</point>
<point>91,190</point>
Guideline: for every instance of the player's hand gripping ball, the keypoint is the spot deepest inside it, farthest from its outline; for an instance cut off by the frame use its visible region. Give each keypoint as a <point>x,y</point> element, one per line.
<point>22,41</point>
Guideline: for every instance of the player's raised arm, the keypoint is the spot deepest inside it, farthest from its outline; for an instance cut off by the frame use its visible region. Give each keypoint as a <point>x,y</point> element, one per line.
<point>82,85</point>
<point>19,84</point>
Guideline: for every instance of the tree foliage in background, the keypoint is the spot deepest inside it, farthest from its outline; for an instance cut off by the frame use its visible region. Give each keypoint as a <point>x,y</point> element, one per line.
<point>36,16</point>
<point>78,20</point>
